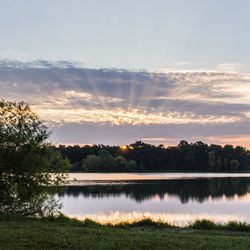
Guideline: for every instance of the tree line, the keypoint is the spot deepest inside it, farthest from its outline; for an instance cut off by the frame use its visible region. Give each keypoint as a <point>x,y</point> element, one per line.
<point>141,156</point>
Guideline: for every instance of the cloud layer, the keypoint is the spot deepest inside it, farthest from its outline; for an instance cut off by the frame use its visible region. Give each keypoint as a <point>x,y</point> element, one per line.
<point>166,106</point>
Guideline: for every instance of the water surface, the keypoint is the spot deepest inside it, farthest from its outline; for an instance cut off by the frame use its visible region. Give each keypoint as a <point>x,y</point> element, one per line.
<point>178,198</point>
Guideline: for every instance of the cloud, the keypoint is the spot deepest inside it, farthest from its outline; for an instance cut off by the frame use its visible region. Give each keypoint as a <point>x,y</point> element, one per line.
<point>229,67</point>
<point>66,94</point>
<point>240,139</point>
<point>119,116</point>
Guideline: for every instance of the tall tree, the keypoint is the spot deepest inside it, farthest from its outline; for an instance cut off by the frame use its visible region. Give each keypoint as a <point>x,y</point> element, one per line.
<point>27,160</point>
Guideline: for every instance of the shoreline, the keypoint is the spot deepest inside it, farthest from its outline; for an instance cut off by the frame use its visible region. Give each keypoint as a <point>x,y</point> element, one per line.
<point>65,233</point>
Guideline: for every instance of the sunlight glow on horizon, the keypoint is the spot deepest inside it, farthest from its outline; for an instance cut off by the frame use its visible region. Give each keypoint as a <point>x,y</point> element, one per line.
<point>68,96</point>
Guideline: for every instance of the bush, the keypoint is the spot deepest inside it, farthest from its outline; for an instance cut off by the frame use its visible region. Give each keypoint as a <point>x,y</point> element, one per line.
<point>203,224</point>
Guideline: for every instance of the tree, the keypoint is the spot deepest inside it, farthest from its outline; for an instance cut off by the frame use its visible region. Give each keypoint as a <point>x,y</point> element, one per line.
<point>27,160</point>
<point>212,160</point>
<point>196,156</point>
<point>91,163</point>
<point>107,162</point>
<point>121,163</point>
<point>234,165</point>
<point>218,164</point>
<point>225,164</point>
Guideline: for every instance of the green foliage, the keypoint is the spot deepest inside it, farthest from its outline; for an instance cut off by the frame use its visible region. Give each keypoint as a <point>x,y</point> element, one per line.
<point>121,162</point>
<point>104,161</point>
<point>212,160</point>
<point>234,165</point>
<point>145,222</point>
<point>188,157</point>
<point>63,233</point>
<point>215,162</point>
<point>23,145</point>
<point>91,163</point>
<point>204,224</point>
<point>230,226</point>
<point>237,226</point>
<point>27,161</point>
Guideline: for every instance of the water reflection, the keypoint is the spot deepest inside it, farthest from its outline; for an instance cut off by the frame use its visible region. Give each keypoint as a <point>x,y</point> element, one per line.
<point>178,201</point>
<point>21,195</point>
<point>199,190</point>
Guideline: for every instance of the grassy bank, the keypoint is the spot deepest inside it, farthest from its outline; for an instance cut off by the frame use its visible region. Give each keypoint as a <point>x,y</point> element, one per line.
<point>63,233</point>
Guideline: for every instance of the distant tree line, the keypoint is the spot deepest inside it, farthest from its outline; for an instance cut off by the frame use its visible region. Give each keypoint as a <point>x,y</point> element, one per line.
<point>141,156</point>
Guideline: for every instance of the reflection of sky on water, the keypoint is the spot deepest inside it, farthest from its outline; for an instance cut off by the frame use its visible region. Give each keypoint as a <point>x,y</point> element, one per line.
<point>90,205</point>
<point>177,201</point>
<point>81,177</point>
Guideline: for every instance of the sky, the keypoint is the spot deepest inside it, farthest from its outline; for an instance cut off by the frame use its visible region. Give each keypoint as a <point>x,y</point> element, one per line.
<point>115,71</point>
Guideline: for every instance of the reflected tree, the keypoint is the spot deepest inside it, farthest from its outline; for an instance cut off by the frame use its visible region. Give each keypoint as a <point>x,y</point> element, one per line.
<point>198,190</point>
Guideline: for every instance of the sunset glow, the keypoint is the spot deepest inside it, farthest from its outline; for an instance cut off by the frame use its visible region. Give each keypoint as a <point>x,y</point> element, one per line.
<point>201,103</point>
<point>125,124</point>
<point>172,73</point>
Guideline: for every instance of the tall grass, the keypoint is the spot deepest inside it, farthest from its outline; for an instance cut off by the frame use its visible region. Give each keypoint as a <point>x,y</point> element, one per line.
<point>148,222</point>
<point>210,225</point>
<point>142,223</point>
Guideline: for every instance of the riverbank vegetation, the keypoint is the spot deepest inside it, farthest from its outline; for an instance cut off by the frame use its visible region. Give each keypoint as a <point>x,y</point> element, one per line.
<point>141,156</point>
<point>27,162</point>
<point>65,233</point>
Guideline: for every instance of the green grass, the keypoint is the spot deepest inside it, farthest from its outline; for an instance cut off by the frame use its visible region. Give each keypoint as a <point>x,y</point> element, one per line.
<point>65,233</point>
<point>230,226</point>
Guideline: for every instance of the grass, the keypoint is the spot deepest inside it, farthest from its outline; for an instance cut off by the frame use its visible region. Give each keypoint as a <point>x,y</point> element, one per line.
<point>230,226</point>
<point>66,233</point>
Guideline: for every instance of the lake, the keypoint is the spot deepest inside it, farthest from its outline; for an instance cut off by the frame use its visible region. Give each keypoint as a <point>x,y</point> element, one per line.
<point>178,198</point>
